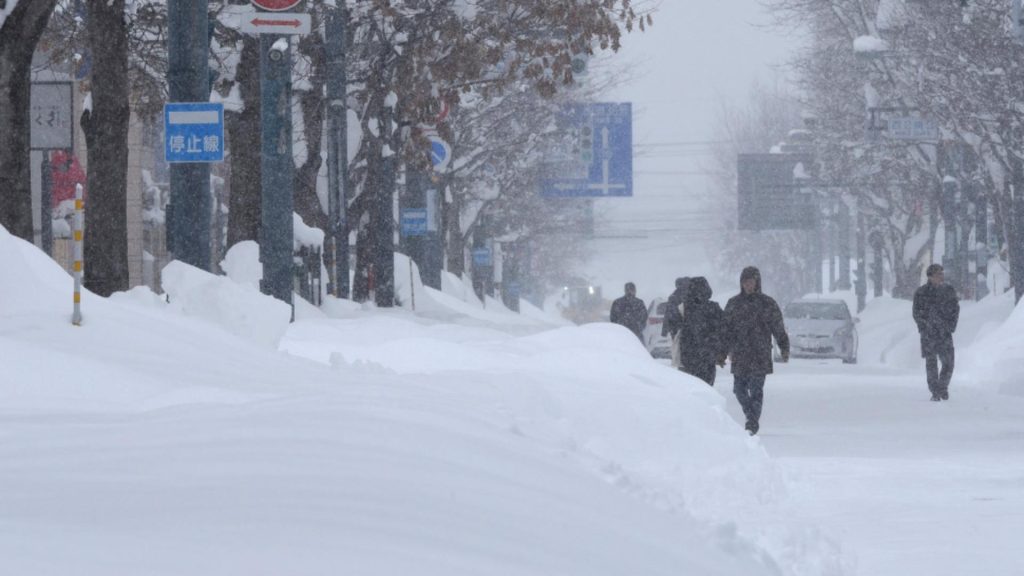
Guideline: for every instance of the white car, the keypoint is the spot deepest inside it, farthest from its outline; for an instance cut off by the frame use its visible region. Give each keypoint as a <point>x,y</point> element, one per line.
<point>658,345</point>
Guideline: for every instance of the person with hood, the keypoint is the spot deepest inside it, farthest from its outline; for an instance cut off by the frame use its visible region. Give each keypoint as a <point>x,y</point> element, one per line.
<point>700,340</point>
<point>674,316</point>
<point>630,311</point>
<point>937,312</point>
<point>751,320</point>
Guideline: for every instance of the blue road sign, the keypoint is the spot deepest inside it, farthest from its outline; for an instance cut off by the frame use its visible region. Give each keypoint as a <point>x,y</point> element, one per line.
<point>193,132</point>
<point>414,222</point>
<point>597,160</point>
<point>482,257</point>
<point>440,154</point>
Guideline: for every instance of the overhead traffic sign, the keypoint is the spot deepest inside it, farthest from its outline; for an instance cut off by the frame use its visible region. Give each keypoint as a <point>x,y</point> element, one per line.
<point>597,155</point>
<point>770,196</point>
<point>281,23</point>
<point>276,5</point>
<point>193,132</point>
<point>913,128</point>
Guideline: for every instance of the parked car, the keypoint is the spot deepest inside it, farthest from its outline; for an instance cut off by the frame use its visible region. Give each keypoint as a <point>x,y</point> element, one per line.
<point>658,345</point>
<point>821,328</point>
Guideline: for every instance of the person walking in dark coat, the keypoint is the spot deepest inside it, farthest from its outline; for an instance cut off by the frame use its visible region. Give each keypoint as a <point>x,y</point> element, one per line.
<point>630,311</point>
<point>936,312</point>
<point>673,318</point>
<point>700,334</point>
<point>751,320</point>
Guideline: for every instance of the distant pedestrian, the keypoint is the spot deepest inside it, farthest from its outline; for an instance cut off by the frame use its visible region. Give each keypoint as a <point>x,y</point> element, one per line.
<point>751,320</point>
<point>700,334</point>
<point>673,319</point>
<point>936,312</point>
<point>630,311</point>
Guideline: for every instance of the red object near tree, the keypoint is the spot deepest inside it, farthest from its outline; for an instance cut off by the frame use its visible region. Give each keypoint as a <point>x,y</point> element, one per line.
<point>67,173</point>
<point>276,5</point>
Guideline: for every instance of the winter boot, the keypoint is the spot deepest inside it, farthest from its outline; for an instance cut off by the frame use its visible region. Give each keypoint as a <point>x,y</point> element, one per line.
<point>944,394</point>
<point>936,397</point>
<point>752,427</point>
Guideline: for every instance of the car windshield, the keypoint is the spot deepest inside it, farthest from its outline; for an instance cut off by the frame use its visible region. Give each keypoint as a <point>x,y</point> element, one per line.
<point>817,311</point>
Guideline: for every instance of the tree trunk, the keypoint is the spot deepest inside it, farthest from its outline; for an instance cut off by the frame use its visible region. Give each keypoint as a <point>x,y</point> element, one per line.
<point>106,136</point>
<point>307,202</point>
<point>19,35</point>
<point>244,133</point>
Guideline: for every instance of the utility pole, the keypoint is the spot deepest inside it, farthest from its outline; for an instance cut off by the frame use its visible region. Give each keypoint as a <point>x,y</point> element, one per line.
<point>337,152</point>
<point>844,245</point>
<point>277,167</point>
<point>951,254</point>
<point>862,268</point>
<point>188,79</point>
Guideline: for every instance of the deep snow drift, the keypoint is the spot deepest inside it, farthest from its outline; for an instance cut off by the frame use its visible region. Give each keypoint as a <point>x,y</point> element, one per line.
<point>174,438</point>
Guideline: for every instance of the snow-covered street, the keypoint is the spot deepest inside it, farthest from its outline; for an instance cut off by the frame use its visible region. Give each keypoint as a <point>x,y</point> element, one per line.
<point>910,486</point>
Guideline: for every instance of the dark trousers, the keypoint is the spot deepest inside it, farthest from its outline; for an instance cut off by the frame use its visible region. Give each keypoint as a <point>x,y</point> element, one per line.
<point>938,382</point>
<point>706,373</point>
<point>749,391</point>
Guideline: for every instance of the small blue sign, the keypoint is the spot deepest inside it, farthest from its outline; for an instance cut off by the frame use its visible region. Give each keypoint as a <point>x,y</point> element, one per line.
<point>194,132</point>
<point>482,257</point>
<point>597,158</point>
<point>414,222</point>
<point>440,154</point>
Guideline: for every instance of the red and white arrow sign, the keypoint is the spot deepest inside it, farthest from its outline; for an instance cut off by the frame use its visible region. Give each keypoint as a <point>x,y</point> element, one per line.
<point>280,23</point>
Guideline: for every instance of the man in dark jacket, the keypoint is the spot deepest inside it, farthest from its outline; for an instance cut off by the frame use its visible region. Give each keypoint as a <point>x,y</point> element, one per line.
<point>751,320</point>
<point>936,312</point>
<point>673,319</point>
<point>700,334</point>
<point>630,311</point>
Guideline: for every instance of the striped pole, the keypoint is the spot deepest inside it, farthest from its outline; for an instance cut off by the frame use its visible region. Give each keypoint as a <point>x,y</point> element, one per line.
<point>76,317</point>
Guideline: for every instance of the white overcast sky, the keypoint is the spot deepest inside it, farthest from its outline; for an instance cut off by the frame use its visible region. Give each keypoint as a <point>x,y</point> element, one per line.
<point>698,55</point>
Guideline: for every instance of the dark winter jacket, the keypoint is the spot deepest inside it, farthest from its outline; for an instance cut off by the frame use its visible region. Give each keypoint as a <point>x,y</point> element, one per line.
<point>700,335</point>
<point>673,319</point>
<point>630,312</point>
<point>936,312</point>
<point>751,320</point>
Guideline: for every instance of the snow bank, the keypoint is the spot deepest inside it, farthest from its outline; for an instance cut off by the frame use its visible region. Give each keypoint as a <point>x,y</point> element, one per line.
<point>996,359</point>
<point>241,309</point>
<point>30,283</point>
<point>409,446</point>
<point>242,264</point>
